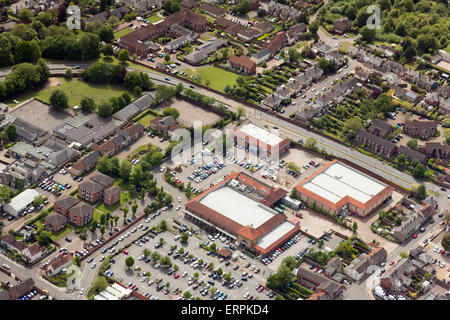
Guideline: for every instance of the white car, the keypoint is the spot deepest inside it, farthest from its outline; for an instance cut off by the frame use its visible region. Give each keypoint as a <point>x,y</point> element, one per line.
<point>179,199</point>
<point>178,207</point>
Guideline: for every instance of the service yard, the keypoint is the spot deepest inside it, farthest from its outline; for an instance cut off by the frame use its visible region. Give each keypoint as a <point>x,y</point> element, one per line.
<point>40,115</point>
<point>190,113</point>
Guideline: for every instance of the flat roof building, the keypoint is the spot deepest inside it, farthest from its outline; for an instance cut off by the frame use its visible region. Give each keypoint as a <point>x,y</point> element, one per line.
<point>241,208</point>
<point>20,202</point>
<point>260,140</point>
<point>338,186</point>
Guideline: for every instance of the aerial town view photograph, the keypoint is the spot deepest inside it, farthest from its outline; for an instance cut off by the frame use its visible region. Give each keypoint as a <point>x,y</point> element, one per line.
<point>250,151</point>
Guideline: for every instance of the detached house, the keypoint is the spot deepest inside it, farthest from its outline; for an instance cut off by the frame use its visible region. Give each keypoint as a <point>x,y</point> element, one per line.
<point>325,288</point>
<point>342,25</point>
<point>33,253</point>
<point>85,164</point>
<point>10,243</point>
<point>365,264</point>
<point>243,64</point>
<point>165,125</point>
<point>61,262</point>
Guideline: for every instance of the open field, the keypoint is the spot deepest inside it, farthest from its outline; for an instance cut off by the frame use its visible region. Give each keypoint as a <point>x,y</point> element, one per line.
<point>217,77</point>
<point>78,89</point>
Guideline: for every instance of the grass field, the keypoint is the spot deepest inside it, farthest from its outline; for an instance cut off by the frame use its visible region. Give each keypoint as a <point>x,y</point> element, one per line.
<point>217,77</point>
<point>122,32</point>
<point>77,89</point>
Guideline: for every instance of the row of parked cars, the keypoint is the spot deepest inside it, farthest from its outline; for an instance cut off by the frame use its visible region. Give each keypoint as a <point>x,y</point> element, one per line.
<point>280,250</point>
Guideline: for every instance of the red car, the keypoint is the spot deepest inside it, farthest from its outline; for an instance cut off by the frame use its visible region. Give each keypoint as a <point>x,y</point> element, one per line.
<point>176,275</point>
<point>391,263</point>
<point>125,251</point>
<point>415,236</point>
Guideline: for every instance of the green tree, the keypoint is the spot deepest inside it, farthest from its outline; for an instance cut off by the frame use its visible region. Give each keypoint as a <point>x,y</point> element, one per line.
<point>419,171</point>
<point>5,194</point>
<point>129,262</point>
<point>294,55</point>
<point>26,15</point>
<point>44,238</point>
<point>106,34</point>
<point>134,208</point>
<point>367,34</point>
<point>184,238</point>
<point>421,191</point>
<point>59,99</point>
<point>123,55</point>
<point>156,256</point>
<point>412,144</point>
<point>241,112</point>
<point>172,112</point>
<point>68,73</point>
<point>125,170</point>
<point>87,104</point>
<point>187,295</point>
<point>354,226</point>
<point>105,109</point>
<point>11,132</point>
<point>37,200</point>
<point>163,225</point>
<point>404,255</point>
<point>100,284</point>
<point>113,21</point>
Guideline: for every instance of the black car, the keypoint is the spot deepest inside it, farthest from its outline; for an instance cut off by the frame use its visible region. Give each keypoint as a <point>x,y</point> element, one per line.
<point>443,189</point>
<point>68,239</point>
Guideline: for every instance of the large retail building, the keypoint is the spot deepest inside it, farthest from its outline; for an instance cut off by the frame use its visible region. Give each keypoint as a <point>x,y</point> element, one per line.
<point>241,208</point>
<point>337,187</point>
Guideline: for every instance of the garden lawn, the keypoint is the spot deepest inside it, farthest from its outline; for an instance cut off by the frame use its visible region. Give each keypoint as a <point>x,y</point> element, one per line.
<point>122,32</point>
<point>78,89</point>
<point>217,77</point>
<point>145,120</point>
<point>61,233</point>
<point>124,198</point>
<point>154,18</point>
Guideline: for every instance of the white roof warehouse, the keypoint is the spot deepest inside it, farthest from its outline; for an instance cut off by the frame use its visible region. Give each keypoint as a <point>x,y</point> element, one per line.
<point>20,202</point>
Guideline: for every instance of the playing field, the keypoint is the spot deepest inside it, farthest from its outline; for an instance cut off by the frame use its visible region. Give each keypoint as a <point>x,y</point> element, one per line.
<point>78,89</point>
<point>218,78</point>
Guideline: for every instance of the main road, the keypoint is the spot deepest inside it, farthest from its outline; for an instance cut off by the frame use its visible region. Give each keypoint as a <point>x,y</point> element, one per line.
<point>294,132</point>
